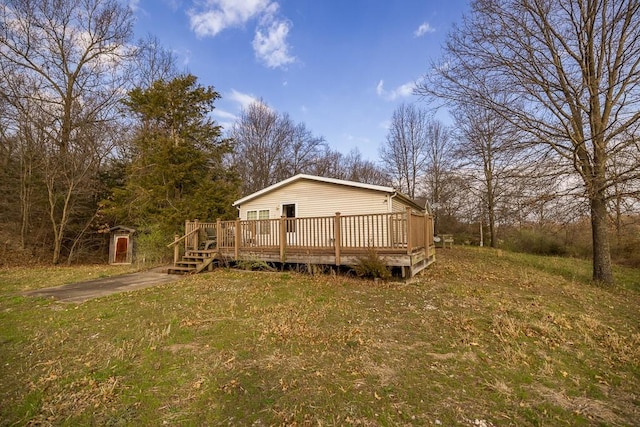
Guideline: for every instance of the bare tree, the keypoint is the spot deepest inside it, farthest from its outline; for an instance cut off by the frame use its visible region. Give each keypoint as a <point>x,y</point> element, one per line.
<point>330,164</point>
<point>301,151</point>
<point>404,154</point>
<point>571,70</point>
<point>351,167</point>
<point>486,150</point>
<point>439,163</point>
<point>269,147</point>
<point>152,62</point>
<point>62,59</point>
<point>624,195</point>
<point>356,168</point>
<point>536,194</point>
<point>260,138</point>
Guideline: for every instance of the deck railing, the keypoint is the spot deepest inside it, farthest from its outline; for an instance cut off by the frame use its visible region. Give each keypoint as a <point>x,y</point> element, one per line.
<point>398,232</point>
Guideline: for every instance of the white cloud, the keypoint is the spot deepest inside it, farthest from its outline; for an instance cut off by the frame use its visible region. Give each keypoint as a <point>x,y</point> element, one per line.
<point>244,99</point>
<point>401,91</point>
<point>404,90</point>
<point>224,118</point>
<point>214,16</point>
<point>270,43</point>
<point>423,29</point>
<point>224,115</point>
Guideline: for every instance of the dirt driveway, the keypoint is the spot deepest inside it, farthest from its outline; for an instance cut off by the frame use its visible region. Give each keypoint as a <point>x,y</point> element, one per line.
<point>83,291</point>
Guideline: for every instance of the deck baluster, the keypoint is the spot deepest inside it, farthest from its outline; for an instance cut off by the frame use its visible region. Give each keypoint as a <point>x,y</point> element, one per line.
<point>337,237</point>
<point>409,231</point>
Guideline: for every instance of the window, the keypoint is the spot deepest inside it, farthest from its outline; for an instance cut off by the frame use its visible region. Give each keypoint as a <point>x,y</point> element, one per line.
<point>263,226</point>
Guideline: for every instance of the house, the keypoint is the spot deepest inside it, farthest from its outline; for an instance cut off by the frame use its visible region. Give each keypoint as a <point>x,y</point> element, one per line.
<point>309,219</point>
<point>313,196</point>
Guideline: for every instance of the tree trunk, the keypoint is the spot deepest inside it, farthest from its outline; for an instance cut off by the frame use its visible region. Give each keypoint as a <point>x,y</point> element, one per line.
<point>26,191</point>
<point>491,204</point>
<point>57,249</point>
<point>76,240</point>
<point>492,228</point>
<point>59,227</point>
<point>602,271</point>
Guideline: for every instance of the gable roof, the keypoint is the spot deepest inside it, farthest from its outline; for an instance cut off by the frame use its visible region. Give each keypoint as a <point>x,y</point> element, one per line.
<point>299,177</point>
<point>122,228</point>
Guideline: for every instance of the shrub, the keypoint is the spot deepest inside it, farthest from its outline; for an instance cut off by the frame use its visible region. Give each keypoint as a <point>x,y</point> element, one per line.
<point>372,266</point>
<point>627,252</point>
<point>151,247</point>
<point>535,242</point>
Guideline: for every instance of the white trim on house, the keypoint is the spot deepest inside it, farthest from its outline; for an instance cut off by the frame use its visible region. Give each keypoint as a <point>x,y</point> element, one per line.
<point>388,190</point>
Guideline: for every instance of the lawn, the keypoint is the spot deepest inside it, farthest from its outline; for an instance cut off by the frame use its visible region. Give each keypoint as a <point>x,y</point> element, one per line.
<point>481,337</point>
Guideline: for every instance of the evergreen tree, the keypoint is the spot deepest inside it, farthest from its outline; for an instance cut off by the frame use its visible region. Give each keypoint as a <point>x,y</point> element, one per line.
<point>177,170</point>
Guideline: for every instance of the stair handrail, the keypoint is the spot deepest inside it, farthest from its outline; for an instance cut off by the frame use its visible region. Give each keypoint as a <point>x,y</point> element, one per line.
<point>176,240</point>
<point>183,237</point>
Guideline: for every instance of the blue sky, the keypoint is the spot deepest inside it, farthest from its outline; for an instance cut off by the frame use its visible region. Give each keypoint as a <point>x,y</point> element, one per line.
<point>341,67</point>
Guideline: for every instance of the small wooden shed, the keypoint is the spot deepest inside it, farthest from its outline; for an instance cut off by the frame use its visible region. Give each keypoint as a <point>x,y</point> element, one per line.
<point>121,245</point>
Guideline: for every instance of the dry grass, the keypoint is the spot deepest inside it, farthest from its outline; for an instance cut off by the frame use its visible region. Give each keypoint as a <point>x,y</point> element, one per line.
<point>477,339</point>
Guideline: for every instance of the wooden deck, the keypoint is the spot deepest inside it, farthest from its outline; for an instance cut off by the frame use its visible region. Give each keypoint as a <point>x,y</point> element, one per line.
<point>403,240</point>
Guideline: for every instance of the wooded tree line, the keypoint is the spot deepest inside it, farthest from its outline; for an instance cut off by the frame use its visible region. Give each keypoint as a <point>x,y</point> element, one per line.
<point>552,87</point>
<point>270,147</point>
<point>545,100</point>
<point>99,130</point>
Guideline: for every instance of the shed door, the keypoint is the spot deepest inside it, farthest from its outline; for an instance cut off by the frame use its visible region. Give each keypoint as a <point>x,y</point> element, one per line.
<point>122,246</point>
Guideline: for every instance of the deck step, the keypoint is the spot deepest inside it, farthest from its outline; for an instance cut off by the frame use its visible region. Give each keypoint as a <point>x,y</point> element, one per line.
<point>193,262</point>
<point>180,270</point>
<point>193,259</point>
<point>186,263</point>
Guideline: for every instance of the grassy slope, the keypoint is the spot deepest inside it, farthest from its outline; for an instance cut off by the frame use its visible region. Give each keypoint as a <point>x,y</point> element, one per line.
<point>481,335</point>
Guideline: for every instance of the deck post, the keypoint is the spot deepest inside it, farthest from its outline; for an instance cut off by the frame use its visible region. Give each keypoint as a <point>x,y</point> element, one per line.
<point>236,244</point>
<point>187,228</point>
<point>176,249</point>
<point>218,233</point>
<point>194,242</point>
<point>337,241</point>
<point>283,238</point>
<point>426,235</point>
<point>409,232</point>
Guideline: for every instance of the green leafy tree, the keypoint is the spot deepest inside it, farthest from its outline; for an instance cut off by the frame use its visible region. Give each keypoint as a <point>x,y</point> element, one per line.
<point>177,170</point>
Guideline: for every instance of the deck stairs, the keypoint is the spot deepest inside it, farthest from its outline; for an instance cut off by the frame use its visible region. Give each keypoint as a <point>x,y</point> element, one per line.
<point>195,261</point>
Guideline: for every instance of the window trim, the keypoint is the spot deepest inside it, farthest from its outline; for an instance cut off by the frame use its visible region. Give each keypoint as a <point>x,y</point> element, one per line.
<point>263,226</point>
